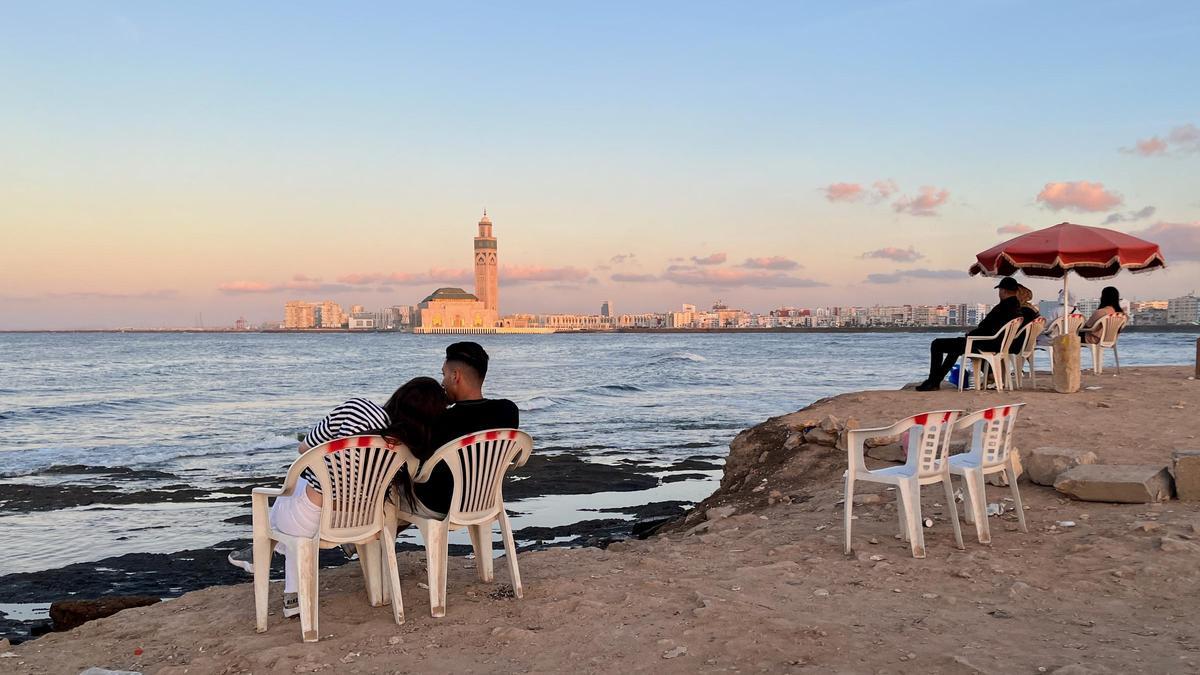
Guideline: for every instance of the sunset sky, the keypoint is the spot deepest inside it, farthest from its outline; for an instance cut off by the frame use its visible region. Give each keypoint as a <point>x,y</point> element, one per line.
<point>162,160</point>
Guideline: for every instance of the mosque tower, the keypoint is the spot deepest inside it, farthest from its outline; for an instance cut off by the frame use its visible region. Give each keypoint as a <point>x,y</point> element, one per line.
<point>487,280</point>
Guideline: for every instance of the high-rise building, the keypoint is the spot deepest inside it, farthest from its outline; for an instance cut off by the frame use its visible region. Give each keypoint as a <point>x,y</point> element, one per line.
<point>487,280</point>
<point>606,308</point>
<point>299,314</point>
<point>330,315</point>
<point>1184,309</point>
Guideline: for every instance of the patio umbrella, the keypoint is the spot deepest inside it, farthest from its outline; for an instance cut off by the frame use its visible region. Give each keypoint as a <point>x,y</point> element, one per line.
<point>1091,252</point>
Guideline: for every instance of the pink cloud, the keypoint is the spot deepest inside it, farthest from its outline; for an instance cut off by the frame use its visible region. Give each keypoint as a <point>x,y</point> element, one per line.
<point>892,253</point>
<point>714,259</point>
<point>259,288</point>
<point>1183,139</point>
<point>775,262</point>
<point>1015,228</point>
<point>1148,147</point>
<point>731,277</point>
<point>885,188</point>
<point>622,258</point>
<point>926,203</point>
<point>535,273</point>
<point>900,275</point>
<point>844,192</point>
<point>1079,196</point>
<point>1179,241</point>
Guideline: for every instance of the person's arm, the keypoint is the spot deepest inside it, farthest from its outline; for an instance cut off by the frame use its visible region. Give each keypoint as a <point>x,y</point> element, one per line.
<point>302,448</point>
<point>1096,316</point>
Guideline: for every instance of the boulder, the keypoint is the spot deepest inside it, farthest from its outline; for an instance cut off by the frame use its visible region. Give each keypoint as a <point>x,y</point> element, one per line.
<point>68,614</point>
<point>1045,464</point>
<point>876,441</point>
<point>1185,469</point>
<point>1121,483</point>
<point>821,436</point>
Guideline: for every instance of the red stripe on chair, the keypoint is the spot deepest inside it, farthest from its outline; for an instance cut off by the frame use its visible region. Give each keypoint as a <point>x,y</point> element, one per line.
<point>492,435</point>
<point>920,419</point>
<point>1007,409</point>
<point>334,446</point>
<point>945,417</point>
<point>512,434</point>
<point>467,440</point>
<point>990,413</point>
<point>364,441</point>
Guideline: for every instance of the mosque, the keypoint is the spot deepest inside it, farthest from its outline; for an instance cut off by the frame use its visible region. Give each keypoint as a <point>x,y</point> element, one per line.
<point>453,310</point>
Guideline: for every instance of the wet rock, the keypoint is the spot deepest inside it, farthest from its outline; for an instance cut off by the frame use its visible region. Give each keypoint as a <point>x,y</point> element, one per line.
<point>1043,465</point>
<point>1185,469</point>
<point>1120,483</point>
<point>68,614</point>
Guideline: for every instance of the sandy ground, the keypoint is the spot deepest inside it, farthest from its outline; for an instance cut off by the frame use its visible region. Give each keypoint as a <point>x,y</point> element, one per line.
<point>767,589</point>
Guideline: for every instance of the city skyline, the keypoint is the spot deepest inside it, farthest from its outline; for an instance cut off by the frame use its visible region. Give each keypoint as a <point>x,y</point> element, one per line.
<point>176,161</point>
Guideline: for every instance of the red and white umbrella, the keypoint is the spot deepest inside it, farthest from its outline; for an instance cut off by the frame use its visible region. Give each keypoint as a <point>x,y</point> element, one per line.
<point>1090,252</point>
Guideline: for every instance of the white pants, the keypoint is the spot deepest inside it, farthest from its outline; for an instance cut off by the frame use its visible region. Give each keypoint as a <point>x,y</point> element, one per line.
<point>296,515</point>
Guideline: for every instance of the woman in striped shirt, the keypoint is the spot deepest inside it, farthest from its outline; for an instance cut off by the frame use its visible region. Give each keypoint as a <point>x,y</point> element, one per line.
<point>407,417</point>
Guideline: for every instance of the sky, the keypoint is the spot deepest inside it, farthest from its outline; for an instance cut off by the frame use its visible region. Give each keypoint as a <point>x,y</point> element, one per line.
<point>163,162</point>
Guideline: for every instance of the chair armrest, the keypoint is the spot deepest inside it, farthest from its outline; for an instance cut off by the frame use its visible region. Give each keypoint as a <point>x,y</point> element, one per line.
<point>268,492</point>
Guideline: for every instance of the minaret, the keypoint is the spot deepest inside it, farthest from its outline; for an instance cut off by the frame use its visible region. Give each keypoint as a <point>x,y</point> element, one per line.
<point>487,281</point>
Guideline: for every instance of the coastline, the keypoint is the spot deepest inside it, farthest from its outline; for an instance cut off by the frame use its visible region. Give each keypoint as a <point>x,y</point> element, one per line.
<point>1170,328</point>
<point>766,548</point>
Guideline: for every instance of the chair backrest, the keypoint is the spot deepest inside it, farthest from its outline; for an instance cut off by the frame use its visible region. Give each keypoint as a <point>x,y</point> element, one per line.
<point>991,432</point>
<point>929,444</point>
<point>1074,325</point>
<point>354,474</point>
<point>479,462</point>
<point>1028,335</point>
<point>1009,335</point>
<point>1109,327</point>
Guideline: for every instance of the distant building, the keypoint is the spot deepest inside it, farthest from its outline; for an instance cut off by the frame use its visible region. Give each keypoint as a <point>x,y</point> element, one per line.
<point>487,279</point>
<point>362,320</point>
<point>330,315</point>
<point>1184,309</point>
<point>1086,306</point>
<point>606,309</point>
<point>452,309</point>
<point>298,314</point>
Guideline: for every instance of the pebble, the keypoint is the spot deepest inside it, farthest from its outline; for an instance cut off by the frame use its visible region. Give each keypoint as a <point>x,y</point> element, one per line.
<point>394,640</point>
<point>1065,523</point>
<point>877,558</point>
<point>821,593</point>
<point>673,653</point>
<point>930,596</point>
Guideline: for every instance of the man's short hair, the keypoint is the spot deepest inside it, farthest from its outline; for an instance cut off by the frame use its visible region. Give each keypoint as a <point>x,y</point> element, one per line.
<point>470,354</point>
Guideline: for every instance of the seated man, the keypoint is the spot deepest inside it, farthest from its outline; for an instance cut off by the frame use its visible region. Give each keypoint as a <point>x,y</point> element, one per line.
<point>462,377</point>
<point>943,352</point>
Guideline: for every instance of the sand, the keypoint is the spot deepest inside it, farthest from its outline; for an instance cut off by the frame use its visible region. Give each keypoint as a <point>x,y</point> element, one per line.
<point>767,589</point>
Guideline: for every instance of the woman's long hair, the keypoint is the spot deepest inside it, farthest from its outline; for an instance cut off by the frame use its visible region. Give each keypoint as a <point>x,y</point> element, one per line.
<point>414,410</point>
<point>1111,297</point>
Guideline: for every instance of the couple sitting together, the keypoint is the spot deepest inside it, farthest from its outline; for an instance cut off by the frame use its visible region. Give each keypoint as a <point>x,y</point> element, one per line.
<point>422,414</point>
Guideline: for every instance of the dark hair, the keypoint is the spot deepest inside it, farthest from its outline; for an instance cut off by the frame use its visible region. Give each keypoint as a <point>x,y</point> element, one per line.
<point>413,410</point>
<point>470,354</point>
<point>1111,297</point>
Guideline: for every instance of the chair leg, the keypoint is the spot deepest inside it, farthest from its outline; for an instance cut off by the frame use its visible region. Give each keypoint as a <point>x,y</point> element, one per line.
<point>262,578</point>
<point>979,502</point>
<point>847,508</point>
<point>958,540</point>
<point>910,495</point>
<point>510,552</point>
<point>962,372</point>
<point>306,565</point>
<point>1012,481</point>
<point>481,542</point>
<point>387,551</point>
<point>1117,359</point>
<point>968,503</point>
<point>371,563</point>
<point>900,515</point>
<point>437,543</point>
<point>996,363</point>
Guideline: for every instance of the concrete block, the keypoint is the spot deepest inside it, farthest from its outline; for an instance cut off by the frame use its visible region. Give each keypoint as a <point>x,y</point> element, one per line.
<point>1121,483</point>
<point>1185,469</point>
<point>1066,363</point>
<point>1045,464</point>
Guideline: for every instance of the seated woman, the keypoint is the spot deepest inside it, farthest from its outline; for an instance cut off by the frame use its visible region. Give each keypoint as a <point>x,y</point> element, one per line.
<point>408,417</point>
<point>1110,303</point>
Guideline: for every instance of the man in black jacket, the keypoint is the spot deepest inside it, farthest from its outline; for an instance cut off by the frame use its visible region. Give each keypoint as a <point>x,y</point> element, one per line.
<point>943,352</point>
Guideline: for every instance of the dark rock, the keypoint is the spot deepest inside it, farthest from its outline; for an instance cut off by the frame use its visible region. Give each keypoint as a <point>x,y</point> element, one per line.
<point>680,477</point>
<point>67,614</point>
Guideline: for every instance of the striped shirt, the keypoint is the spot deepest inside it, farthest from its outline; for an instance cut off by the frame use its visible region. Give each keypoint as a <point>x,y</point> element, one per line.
<point>354,417</point>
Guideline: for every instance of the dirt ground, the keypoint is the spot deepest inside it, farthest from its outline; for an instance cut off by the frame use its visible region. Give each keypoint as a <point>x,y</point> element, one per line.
<point>767,589</point>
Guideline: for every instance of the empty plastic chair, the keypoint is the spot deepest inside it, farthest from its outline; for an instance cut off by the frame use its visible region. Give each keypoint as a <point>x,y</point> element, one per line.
<point>928,451</point>
<point>479,463</point>
<point>990,452</point>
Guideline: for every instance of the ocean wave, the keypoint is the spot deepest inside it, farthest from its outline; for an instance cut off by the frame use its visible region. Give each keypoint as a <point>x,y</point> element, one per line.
<point>539,403</point>
<point>612,389</point>
<point>691,357</point>
<point>234,449</point>
<point>86,407</point>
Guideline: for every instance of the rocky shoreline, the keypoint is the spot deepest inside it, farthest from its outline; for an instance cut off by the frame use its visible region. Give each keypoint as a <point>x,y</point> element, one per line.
<point>169,575</point>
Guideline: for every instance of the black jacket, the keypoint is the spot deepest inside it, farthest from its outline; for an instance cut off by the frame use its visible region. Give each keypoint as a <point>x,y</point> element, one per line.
<point>1007,310</point>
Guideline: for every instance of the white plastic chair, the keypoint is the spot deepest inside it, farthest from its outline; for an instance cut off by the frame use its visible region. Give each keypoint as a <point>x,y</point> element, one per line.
<point>928,450</point>
<point>1026,342</point>
<point>354,474</point>
<point>1055,330</point>
<point>991,452</point>
<point>479,463</point>
<point>1108,329</point>
<point>993,361</point>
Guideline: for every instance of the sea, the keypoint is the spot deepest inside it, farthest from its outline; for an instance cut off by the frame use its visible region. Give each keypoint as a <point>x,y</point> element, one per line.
<point>209,407</point>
